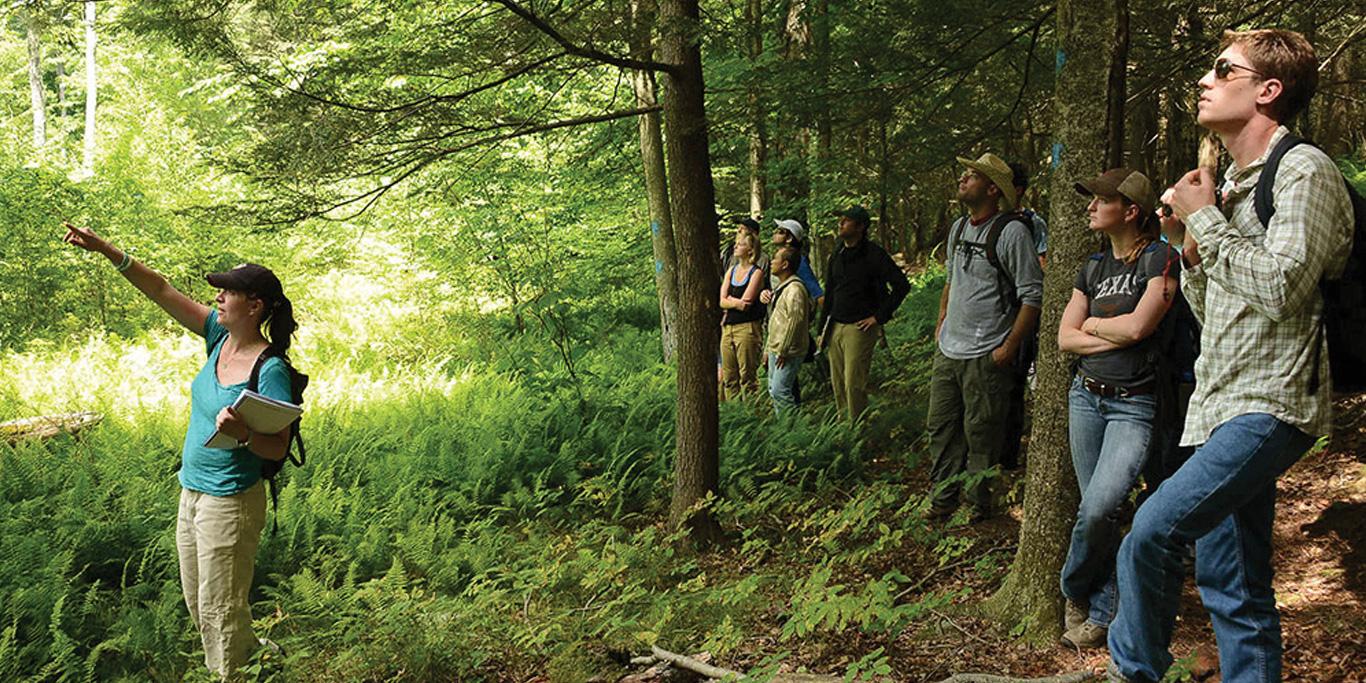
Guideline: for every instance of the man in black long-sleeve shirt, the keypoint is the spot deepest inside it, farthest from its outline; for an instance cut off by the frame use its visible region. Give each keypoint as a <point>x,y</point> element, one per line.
<point>864,288</point>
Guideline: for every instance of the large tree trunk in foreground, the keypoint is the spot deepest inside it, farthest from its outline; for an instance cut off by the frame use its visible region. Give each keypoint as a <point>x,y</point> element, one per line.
<point>656,182</point>
<point>1030,595</point>
<point>88,158</point>
<point>692,198</point>
<point>37,102</point>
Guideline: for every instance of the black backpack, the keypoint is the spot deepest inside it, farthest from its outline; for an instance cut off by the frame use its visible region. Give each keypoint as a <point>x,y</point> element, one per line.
<point>298,381</point>
<point>1344,298</point>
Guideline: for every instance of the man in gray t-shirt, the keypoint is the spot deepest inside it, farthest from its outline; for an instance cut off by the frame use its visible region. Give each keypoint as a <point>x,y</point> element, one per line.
<point>987,310</point>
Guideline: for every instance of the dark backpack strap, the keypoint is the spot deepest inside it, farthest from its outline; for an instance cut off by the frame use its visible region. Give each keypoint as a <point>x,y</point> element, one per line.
<point>993,239</point>
<point>1261,195</point>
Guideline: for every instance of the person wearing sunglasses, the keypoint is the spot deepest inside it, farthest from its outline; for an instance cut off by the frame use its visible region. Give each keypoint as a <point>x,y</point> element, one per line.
<point>1256,408</point>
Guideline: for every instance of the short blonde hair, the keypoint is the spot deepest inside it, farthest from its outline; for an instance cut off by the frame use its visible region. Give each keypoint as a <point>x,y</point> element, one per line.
<point>1285,56</point>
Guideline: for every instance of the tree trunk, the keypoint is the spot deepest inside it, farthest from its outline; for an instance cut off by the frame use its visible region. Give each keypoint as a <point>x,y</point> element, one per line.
<point>758,132</point>
<point>692,197</point>
<point>1114,104</point>
<point>1181,139</point>
<point>88,158</point>
<point>1030,594</point>
<point>656,182</point>
<point>37,102</point>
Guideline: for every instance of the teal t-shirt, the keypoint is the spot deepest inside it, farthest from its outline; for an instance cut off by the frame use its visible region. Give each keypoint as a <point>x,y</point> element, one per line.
<point>217,471</point>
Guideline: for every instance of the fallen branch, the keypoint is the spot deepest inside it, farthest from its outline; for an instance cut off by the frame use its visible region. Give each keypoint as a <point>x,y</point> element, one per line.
<point>47,426</point>
<point>716,672</point>
<point>1074,677</point>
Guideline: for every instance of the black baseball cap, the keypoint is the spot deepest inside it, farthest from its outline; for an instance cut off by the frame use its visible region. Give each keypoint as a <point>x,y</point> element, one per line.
<point>857,213</point>
<point>749,223</point>
<point>249,278</point>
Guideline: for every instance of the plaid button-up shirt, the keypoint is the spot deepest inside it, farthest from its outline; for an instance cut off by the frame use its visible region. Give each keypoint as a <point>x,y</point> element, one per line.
<point>1256,294</point>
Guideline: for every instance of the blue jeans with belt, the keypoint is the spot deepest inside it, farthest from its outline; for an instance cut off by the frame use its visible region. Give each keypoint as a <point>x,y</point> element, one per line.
<point>1109,438</point>
<point>1224,499</point>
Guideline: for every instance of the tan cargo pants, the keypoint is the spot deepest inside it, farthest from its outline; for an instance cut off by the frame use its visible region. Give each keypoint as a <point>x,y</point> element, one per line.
<point>216,537</point>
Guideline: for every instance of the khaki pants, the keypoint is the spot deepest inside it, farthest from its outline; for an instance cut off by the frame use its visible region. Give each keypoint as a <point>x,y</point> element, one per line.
<point>850,351</point>
<point>216,537</point>
<point>969,403</point>
<point>742,349</point>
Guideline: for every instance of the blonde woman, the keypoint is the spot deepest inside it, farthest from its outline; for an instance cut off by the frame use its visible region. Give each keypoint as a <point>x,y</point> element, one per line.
<point>742,320</point>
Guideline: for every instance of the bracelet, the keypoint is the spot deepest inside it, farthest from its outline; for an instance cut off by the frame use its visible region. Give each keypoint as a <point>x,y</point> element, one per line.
<point>125,264</point>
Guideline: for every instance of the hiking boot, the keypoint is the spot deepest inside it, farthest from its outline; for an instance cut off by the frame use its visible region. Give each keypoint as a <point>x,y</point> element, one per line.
<point>1112,674</point>
<point>1087,636</point>
<point>1074,614</point>
<point>940,513</point>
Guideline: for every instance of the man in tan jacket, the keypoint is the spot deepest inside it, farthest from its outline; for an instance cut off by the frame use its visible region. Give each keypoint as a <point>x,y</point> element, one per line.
<point>788,328</point>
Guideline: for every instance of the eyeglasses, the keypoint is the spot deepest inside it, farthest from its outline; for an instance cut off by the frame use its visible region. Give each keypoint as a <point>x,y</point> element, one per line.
<point>1223,67</point>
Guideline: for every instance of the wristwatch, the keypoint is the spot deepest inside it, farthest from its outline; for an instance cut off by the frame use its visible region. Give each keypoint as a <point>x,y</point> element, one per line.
<point>242,443</point>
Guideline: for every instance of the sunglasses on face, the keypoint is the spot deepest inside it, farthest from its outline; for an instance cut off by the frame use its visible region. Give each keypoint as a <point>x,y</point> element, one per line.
<point>1223,68</point>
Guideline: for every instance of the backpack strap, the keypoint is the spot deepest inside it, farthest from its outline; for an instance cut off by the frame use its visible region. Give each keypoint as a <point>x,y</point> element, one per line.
<point>993,239</point>
<point>1261,195</point>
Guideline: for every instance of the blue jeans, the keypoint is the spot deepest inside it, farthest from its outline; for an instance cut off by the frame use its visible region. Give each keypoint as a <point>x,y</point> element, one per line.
<point>1109,439</point>
<point>782,382</point>
<point>1225,497</point>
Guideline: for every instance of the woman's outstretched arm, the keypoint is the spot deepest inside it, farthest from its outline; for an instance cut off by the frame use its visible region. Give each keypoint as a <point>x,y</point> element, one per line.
<point>185,310</point>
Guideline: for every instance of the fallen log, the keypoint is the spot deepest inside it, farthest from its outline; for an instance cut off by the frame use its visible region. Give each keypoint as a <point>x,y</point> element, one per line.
<point>47,426</point>
<point>722,674</point>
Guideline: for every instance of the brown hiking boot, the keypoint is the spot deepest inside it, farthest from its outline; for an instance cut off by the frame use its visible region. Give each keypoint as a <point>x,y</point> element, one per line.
<point>1074,614</point>
<point>1087,636</point>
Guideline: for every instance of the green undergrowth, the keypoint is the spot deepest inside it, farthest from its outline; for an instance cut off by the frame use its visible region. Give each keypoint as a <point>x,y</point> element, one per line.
<point>462,520</point>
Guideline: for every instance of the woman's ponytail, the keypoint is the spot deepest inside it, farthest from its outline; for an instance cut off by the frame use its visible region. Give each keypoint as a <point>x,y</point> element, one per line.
<point>281,325</point>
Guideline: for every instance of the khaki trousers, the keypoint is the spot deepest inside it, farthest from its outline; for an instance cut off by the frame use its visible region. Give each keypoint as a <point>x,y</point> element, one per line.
<point>742,349</point>
<point>216,537</point>
<point>850,351</point>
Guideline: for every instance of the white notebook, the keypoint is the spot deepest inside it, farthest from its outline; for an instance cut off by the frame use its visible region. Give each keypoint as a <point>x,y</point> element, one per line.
<point>262,414</point>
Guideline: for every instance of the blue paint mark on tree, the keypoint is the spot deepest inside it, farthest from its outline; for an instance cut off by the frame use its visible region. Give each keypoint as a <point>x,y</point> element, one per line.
<point>659,266</point>
<point>1057,154</point>
<point>654,227</point>
<point>1060,58</point>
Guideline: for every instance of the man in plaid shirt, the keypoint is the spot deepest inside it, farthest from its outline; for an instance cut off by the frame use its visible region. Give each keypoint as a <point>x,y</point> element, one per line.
<point>1256,409</point>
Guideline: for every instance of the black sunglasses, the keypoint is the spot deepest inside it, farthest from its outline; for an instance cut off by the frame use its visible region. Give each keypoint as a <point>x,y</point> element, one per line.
<point>1223,67</point>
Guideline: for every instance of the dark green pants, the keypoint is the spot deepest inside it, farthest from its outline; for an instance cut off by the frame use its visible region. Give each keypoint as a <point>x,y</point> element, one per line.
<point>969,402</point>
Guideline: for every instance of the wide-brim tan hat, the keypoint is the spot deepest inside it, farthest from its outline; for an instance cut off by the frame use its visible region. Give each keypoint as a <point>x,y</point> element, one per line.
<point>997,171</point>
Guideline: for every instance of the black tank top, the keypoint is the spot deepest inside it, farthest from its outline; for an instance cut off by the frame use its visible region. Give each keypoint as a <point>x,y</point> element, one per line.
<point>735,316</point>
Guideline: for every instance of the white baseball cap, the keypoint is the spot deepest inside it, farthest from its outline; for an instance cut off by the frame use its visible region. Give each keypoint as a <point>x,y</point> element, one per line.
<point>794,227</point>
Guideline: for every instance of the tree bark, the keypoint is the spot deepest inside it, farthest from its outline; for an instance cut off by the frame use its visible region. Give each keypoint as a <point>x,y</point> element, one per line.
<point>1114,104</point>
<point>758,132</point>
<point>37,101</point>
<point>692,198</point>
<point>1180,138</point>
<point>656,181</point>
<point>1029,595</point>
<point>88,157</point>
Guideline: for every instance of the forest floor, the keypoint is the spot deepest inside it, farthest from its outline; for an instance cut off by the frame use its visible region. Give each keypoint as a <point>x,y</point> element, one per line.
<point>1320,557</point>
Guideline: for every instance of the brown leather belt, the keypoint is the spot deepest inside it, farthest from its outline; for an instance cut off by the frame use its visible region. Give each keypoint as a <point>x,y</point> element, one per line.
<point>1107,390</point>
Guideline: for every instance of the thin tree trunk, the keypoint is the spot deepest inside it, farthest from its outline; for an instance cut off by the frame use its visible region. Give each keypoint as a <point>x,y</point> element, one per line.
<point>88,158</point>
<point>1030,594</point>
<point>656,182</point>
<point>37,101</point>
<point>1114,104</point>
<point>692,197</point>
<point>61,93</point>
<point>758,133</point>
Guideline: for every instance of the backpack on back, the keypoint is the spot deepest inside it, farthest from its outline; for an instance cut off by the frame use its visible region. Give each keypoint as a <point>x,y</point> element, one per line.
<point>298,381</point>
<point>1344,298</point>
